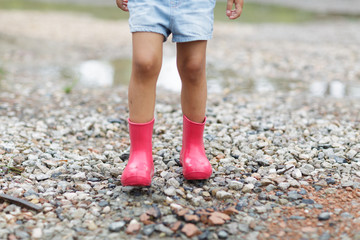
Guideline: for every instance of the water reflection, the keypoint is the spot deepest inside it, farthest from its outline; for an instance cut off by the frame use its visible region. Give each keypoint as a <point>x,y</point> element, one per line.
<point>335,89</point>
<point>96,74</point>
<point>105,74</point>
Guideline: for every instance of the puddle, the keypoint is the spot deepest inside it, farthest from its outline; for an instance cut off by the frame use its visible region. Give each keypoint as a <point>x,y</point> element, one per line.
<point>96,73</point>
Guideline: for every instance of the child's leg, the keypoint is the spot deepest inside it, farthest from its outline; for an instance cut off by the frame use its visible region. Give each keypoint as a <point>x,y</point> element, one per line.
<point>146,65</point>
<point>191,60</point>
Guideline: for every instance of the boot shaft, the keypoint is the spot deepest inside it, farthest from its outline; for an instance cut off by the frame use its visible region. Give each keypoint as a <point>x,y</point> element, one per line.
<point>192,132</point>
<point>141,135</point>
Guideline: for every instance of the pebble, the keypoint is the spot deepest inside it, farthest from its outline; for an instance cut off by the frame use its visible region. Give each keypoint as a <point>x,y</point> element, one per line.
<point>324,216</point>
<point>133,227</point>
<point>149,229</point>
<point>80,176</point>
<point>284,185</point>
<point>36,233</point>
<point>222,234</point>
<point>103,203</point>
<point>307,169</point>
<point>170,191</point>
<point>248,187</point>
<point>42,177</point>
<point>296,174</point>
<point>70,195</point>
<point>235,185</point>
<point>162,228</point>
<point>116,226</point>
<point>223,195</point>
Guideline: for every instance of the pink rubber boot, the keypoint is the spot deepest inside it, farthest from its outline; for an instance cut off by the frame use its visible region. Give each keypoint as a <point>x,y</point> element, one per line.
<point>140,167</point>
<point>195,164</point>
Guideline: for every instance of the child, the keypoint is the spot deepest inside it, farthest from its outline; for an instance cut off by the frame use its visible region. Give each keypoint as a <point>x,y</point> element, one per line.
<point>151,22</point>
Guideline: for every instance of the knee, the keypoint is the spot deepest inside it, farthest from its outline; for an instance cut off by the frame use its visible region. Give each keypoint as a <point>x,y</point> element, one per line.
<point>192,69</point>
<point>147,66</point>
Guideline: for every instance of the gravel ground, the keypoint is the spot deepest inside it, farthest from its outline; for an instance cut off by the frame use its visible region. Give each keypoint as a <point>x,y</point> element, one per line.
<point>286,164</point>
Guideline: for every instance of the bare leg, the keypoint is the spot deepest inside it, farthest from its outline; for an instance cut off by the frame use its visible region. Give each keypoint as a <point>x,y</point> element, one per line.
<point>191,61</point>
<point>146,65</point>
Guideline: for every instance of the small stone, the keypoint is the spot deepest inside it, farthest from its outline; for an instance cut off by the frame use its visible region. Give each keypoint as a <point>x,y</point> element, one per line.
<point>79,213</point>
<point>284,185</point>
<point>80,176</point>
<point>176,226</point>
<point>330,181</point>
<point>223,195</point>
<point>235,185</point>
<point>133,227</point>
<point>149,229</point>
<point>116,226</point>
<point>243,228</point>
<point>230,211</point>
<point>232,228</point>
<point>260,209</point>
<point>297,217</point>
<point>324,216</point>
<point>190,230</point>
<point>191,218</point>
<point>173,182</point>
<point>41,177</point>
<point>296,174</point>
<point>292,195</point>
<point>170,191</point>
<point>145,219</point>
<point>22,234</point>
<point>70,196</point>
<point>248,187</point>
<point>270,188</point>
<point>351,154</point>
<point>307,201</point>
<point>169,219</point>
<point>318,206</point>
<point>91,225</point>
<point>325,236</point>
<point>279,193</point>
<point>175,207</point>
<point>302,191</point>
<point>346,215</point>
<point>347,183</point>
<point>308,229</point>
<point>154,212</point>
<point>218,218</point>
<point>36,233</point>
<point>251,180</point>
<point>162,228</point>
<point>307,169</point>
<point>222,234</point>
<point>103,203</point>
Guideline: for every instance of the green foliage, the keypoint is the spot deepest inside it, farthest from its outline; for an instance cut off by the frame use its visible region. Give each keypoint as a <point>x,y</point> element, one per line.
<point>71,78</point>
<point>253,13</point>
<point>104,12</point>
<point>263,13</point>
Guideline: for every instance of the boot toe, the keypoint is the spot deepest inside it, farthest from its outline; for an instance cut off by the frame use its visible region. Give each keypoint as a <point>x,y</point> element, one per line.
<point>136,181</point>
<point>197,175</point>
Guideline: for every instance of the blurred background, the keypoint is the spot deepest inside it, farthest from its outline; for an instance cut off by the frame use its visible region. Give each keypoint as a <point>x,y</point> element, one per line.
<point>276,45</point>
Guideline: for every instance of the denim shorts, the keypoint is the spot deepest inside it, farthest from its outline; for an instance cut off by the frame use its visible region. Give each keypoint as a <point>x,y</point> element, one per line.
<point>187,20</point>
